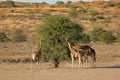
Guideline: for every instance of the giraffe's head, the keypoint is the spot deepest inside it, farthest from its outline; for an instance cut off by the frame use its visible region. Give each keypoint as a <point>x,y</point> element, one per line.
<point>91,43</point>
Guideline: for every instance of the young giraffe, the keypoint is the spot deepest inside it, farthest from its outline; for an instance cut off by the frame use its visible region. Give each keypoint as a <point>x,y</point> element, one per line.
<point>37,53</point>
<point>74,53</point>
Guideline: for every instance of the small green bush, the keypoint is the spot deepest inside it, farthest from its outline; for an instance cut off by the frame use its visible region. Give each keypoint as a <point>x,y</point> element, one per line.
<point>107,37</point>
<point>100,17</point>
<point>59,2</point>
<point>18,36</point>
<point>118,37</point>
<point>82,10</point>
<point>10,3</point>
<point>68,2</point>
<point>99,34</point>
<point>85,38</point>
<point>93,13</point>
<point>43,2</point>
<point>95,33</point>
<point>92,19</point>
<point>73,14</point>
<point>3,37</point>
<point>110,4</point>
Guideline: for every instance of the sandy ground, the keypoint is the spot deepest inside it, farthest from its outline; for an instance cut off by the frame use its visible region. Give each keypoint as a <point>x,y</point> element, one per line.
<point>13,56</point>
<point>30,71</point>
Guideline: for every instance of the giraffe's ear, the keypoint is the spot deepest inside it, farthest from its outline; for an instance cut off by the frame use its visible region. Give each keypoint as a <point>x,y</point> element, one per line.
<point>91,43</point>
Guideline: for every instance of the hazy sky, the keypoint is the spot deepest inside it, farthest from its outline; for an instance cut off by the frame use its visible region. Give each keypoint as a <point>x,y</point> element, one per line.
<point>48,1</point>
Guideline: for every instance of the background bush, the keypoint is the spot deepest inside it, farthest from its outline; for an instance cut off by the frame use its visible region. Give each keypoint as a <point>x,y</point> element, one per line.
<point>10,3</point>
<point>93,13</point>
<point>3,37</point>
<point>59,2</point>
<point>82,10</point>
<point>18,36</point>
<point>99,34</point>
<point>95,33</point>
<point>118,37</point>
<point>73,13</point>
<point>107,37</point>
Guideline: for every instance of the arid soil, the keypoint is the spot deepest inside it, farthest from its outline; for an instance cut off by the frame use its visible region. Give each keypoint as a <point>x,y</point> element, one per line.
<point>15,64</point>
<point>34,72</point>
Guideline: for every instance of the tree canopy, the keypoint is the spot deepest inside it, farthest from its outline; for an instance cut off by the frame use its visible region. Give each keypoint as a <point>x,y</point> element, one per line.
<point>53,32</point>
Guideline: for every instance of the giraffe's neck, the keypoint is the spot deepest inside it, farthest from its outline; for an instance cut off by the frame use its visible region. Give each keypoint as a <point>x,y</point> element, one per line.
<point>39,47</point>
<point>70,47</point>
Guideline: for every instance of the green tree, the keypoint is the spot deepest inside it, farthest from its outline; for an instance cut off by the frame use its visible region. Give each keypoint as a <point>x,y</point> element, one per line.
<point>18,36</point>
<point>53,32</point>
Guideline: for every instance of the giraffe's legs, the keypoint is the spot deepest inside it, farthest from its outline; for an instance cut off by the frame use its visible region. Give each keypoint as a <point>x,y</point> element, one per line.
<point>79,62</point>
<point>38,60</point>
<point>94,63</point>
<point>86,61</point>
<point>72,57</point>
<point>86,64</point>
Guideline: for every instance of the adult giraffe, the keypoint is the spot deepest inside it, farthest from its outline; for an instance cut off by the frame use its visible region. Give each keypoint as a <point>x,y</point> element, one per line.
<point>37,53</point>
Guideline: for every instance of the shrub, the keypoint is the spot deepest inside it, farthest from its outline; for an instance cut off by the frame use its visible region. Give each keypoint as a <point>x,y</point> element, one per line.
<point>110,4</point>
<point>18,36</point>
<point>84,38</point>
<point>53,32</point>
<point>10,3</point>
<point>107,37</point>
<point>3,37</point>
<point>118,37</point>
<point>99,34</point>
<point>44,2</point>
<point>92,19</point>
<point>95,33</point>
<point>82,10</point>
<point>59,2</point>
<point>73,14</point>
<point>107,20</point>
<point>68,2</point>
<point>101,17</point>
<point>93,13</point>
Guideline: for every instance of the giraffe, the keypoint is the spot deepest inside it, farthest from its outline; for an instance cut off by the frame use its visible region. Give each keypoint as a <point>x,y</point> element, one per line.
<point>87,51</point>
<point>37,53</point>
<point>74,53</point>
